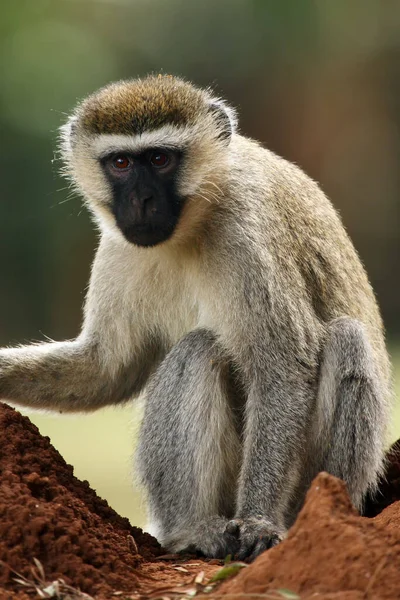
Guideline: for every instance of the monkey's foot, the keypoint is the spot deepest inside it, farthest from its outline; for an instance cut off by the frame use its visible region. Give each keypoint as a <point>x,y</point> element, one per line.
<point>213,537</point>
<point>255,536</point>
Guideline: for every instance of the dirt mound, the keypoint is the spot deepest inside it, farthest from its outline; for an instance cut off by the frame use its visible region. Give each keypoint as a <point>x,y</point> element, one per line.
<point>330,550</point>
<point>46,513</point>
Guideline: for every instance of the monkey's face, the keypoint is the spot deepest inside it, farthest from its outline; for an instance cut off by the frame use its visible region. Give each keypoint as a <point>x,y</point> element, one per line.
<point>150,157</point>
<point>145,199</point>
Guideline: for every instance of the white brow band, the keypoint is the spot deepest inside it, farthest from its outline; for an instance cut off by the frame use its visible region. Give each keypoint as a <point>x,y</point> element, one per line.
<point>167,136</point>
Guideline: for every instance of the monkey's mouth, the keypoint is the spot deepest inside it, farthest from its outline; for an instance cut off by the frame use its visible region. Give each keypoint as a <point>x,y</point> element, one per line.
<point>146,236</point>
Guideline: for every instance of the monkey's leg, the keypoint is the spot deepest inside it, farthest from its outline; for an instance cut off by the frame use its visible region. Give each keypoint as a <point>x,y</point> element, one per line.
<point>189,449</point>
<point>352,410</point>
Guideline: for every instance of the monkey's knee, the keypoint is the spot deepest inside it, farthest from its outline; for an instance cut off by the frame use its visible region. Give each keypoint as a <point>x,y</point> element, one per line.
<point>347,362</point>
<point>180,389</point>
<point>348,350</point>
<point>191,358</point>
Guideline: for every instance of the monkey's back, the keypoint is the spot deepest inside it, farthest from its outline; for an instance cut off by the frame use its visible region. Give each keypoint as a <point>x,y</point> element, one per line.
<point>311,245</point>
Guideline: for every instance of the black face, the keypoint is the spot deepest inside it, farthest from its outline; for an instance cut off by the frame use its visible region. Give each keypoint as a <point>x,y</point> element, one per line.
<point>146,204</point>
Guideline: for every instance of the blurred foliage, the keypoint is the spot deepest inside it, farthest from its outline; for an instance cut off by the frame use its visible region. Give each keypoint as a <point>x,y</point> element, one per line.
<point>316,81</point>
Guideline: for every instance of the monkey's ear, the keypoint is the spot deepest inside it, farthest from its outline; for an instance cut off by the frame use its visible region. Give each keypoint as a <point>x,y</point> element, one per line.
<point>225,117</point>
<point>67,134</point>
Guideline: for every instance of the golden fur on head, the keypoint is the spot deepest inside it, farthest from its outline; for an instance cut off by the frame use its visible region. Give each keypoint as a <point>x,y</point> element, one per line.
<point>131,107</point>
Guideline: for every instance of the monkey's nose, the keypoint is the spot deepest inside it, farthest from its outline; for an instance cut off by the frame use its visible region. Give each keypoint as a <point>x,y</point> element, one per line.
<point>148,206</point>
<point>141,199</point>
<point>140,204</point>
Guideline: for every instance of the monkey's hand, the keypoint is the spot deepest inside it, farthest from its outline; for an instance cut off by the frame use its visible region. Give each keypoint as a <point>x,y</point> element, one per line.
<point>255,535</point>
<point>217,537</point>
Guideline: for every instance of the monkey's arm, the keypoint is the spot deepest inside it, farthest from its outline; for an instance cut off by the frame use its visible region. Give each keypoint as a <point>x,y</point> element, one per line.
<point>109,362</point>
<point>278,353</point>
<point>277,413</point>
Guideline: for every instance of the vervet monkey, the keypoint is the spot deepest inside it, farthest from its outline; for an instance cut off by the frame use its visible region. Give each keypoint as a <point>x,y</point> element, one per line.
<point>226,287</point>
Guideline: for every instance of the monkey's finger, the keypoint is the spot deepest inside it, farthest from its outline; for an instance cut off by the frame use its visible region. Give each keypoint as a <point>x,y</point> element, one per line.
<point>233,527</point>
<point>249,552</point>
<point>230,545</point>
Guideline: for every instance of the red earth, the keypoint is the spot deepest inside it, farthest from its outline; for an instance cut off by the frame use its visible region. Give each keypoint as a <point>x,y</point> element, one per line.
<point>59,539</point>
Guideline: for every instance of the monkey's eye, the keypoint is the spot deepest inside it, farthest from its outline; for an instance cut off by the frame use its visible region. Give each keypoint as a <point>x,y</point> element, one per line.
<point>159,160</point>
<point>121,162</point>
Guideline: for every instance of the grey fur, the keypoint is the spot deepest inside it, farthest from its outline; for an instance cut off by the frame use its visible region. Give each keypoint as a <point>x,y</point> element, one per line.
<point>253,330</point>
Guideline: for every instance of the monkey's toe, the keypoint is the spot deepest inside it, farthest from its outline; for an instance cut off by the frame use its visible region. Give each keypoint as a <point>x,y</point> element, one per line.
<point>215,538</point>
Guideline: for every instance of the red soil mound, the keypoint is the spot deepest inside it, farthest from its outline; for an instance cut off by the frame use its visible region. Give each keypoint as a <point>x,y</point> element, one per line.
<point>48,514</point>
<point>330,552</point>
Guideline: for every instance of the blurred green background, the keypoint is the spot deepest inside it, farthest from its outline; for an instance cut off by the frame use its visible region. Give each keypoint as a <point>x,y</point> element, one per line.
<point>316,81</point>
